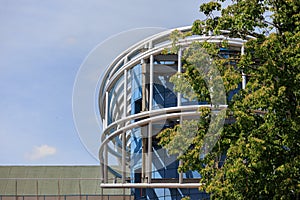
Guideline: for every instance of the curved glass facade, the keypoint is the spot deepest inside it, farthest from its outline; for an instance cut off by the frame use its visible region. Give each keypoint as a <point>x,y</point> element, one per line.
<point>136,101</point>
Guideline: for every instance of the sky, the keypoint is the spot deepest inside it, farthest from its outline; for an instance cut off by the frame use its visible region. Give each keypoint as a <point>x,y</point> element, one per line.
<point>42,47</point>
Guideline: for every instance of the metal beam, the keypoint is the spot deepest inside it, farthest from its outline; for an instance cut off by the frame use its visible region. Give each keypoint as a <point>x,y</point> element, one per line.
<point>152,185</point>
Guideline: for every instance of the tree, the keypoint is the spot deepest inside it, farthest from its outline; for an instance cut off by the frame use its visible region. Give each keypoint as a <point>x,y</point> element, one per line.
<point>262,146</point>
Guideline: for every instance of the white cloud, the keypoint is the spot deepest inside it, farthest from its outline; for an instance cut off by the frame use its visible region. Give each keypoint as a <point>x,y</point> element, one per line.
<point>39,152</point>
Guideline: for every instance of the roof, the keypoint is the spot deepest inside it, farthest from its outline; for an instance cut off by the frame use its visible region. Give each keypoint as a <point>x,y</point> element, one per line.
<point>51,180</point>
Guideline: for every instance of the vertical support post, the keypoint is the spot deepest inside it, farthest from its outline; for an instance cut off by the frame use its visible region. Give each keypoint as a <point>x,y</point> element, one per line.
<point>124,133</point>
<point>144,161</point>
<point>150,124</point>
<point>244,81</point>
<point>79,187</point>
<point>150,153</point>
<point>180,161</point>
<point>102,172</point>
<point>106,110</point>
<point>145,89</point>
<point>123,160</point>
<point>16,189</point>
<point>105,119</point>
<point>105,164</point>
<point>124,197</point>
<point>125,93</point>
<point>123,157</point>
<point>179,71</point>
<point>37,189</point>
<point>58,188</point>
<point>151,83</point>
<point>180,173</point>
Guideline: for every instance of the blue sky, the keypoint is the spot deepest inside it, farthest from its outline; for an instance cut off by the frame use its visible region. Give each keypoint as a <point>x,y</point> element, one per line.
<point>42,46</point>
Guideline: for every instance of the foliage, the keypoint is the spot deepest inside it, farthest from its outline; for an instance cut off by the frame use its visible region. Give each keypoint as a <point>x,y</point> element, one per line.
<point>262,146</point>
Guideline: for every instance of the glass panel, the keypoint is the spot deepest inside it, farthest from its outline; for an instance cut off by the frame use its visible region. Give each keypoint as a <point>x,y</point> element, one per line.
<point>136,89</point>
<point>163,95</point>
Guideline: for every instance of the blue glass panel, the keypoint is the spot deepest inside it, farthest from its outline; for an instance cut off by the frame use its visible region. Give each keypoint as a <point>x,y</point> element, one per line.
<point>136,89</point>
<point>233,92</point>
<point>157,88</point>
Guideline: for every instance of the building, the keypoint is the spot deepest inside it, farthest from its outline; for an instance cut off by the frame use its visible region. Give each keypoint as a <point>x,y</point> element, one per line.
<point>137,101</point>
<point>55,183</point>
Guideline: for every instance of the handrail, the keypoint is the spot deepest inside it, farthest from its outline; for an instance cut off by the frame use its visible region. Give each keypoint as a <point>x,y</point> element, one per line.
<point>151,118</point>
<point>151,185</point>
<point>154,113</point>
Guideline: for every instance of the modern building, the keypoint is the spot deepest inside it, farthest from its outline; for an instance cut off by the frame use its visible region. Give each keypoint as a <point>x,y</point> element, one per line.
<point>137,101</point>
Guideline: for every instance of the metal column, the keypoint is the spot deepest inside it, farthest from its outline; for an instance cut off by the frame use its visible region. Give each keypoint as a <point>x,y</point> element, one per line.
<point>105,170</point>
<point>150,124</point>
<point>105,164</point>
<point>243,74</point>
<point>151,83</point>
<point>150,152</point>
<point>180,161</point>
<point>124,132</point>
<point>179,70</point>
<point>125,94</point>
